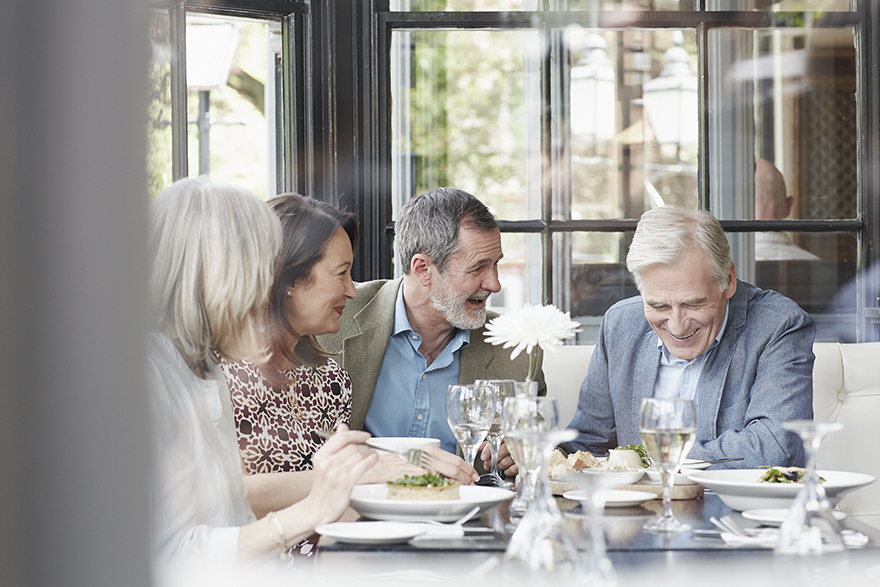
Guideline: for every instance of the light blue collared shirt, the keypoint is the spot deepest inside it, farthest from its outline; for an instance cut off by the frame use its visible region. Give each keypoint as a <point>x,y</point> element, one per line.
<point>679,378</point>
<point>410,396</point>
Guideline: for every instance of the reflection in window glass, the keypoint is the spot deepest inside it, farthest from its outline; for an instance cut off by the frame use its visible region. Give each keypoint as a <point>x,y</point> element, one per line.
<point>633,134</point>
<point>807,9</point>
<point>792,96</point>
<point>226,77</point>
<point>822,285</point>
<point>159,156</point>
<point>466,110</point>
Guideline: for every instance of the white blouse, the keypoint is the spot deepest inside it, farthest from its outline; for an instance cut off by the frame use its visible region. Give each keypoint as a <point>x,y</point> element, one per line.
<point>199,496</point>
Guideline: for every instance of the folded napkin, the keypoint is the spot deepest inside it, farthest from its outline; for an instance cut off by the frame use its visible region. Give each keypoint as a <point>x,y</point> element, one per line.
<point>434,532</point>
<point>768,537</point>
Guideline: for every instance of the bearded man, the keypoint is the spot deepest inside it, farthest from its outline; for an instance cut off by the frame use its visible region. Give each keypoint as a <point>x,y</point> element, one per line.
<point>405,341</point>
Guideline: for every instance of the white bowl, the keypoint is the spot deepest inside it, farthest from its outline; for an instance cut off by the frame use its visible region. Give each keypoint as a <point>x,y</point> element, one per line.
<point>740,490</point>
<point>402,443</point>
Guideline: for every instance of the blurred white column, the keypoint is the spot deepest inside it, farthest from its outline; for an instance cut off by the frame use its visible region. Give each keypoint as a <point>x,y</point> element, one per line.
<point>74,427</point>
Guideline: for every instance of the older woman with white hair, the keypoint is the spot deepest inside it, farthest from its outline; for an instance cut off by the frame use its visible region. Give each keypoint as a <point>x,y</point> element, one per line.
<point>213,248</point>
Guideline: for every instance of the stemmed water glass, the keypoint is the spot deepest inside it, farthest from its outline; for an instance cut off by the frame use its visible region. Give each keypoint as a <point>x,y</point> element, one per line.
<point>810,528</point>
<point>470,410</point>
<point>668,429</point>
<point>504,388</point>
<point>531,430</point>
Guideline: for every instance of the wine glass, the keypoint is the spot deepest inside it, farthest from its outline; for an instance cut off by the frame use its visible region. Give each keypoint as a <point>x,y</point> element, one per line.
<point>470,410</point>
<point>531,430</point>
<point>668,429</point>
<point>810,528</point>
<point>504,388</point>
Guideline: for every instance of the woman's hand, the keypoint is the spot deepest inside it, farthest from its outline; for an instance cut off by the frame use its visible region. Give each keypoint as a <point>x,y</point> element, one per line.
<point>451,466</point>
<point>505,461</point>
<point>338,466</point>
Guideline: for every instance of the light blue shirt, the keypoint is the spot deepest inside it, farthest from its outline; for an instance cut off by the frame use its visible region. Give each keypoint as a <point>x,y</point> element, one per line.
<point>678,377</point>
<point>410,396</point>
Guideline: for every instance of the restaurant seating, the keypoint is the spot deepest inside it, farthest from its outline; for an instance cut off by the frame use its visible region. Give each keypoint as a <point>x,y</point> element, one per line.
<point>846,388</point>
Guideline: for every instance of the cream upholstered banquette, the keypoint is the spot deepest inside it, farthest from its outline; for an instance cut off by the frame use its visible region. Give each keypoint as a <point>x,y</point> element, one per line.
<point>846,388</point>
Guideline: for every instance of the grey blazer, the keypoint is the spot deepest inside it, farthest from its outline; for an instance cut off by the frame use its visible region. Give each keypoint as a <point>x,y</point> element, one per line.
<point>759,376</point>
<point>365,328</point>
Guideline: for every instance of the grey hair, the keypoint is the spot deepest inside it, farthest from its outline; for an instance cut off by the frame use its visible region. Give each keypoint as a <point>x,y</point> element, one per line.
<point>213,249</point>
<point>665,234</point>
<point>429,224</point>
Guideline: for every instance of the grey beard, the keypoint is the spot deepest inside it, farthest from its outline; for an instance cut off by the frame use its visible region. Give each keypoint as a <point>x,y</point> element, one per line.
<point>454,309</point>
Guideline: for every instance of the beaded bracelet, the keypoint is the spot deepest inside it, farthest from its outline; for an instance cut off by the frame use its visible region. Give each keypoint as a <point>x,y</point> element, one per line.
<point>281,540</point>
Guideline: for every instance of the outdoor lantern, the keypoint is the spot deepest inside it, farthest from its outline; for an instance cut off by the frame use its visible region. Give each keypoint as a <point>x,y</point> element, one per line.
<point>592,93</point>
<point>671,99</point>
<point>210,49</point>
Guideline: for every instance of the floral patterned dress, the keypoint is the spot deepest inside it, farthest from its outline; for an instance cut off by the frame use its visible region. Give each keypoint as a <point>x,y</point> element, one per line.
<point>277,427</point>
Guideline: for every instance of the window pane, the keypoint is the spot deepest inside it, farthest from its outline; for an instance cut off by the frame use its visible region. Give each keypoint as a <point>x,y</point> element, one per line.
<point>598,277</point>
<point>812,8</point>
<point>824,287</point>
<point>465,111</point>
<point>226,77</point>
<point>512,5</point>
<point>462,5</point>
<point>633,122</point>
<point>519,272</point>
<point>159,169</point>
<point>788,96</point>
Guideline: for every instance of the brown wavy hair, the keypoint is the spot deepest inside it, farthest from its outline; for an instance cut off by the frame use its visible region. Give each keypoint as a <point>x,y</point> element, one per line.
<point>307,225</point>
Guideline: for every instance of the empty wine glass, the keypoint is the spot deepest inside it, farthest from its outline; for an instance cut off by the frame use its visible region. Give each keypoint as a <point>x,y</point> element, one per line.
<point>810,528</point>
<point>504,388</point>
<point>668,429</point>
<point>531,430</point>
<point>470,410</point>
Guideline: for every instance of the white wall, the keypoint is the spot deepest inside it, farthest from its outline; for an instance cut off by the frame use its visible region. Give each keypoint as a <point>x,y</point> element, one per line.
<point>74,431</point>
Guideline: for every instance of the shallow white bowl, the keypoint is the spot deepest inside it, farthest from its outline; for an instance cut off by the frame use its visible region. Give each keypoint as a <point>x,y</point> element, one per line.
<point>614,498</point>
<point>740,490</point>
<point>370,502</point>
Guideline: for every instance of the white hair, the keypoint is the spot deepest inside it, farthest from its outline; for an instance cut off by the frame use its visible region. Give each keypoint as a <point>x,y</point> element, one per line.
<point>665,234</point>
<point>213,250</point>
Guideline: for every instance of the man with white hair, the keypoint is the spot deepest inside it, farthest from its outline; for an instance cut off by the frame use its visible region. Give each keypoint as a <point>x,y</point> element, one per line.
<point>404,341</point>
<point>744,355</point>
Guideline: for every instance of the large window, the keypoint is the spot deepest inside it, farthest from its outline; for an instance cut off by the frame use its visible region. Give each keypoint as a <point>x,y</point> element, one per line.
<point>568,118</point>
<point>571,119</point>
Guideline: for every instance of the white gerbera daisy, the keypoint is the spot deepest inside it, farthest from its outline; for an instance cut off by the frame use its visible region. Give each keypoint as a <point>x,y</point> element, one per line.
<point>530,327</point>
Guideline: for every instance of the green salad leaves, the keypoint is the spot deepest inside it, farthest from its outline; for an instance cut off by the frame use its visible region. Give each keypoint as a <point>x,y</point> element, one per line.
<point>426,480</point>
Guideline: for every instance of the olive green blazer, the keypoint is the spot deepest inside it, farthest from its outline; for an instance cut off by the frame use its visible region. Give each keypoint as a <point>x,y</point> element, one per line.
<point>365,328</point>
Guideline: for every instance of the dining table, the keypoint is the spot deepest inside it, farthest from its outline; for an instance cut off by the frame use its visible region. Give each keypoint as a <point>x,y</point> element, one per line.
<point>637,557</point>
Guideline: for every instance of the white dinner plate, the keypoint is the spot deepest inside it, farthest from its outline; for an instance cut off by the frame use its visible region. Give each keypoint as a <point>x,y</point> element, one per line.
<point>371,532</point>
<point>740,490</point>
<point>775,516</point>
<point>614,498</point>
<point>370,502</point>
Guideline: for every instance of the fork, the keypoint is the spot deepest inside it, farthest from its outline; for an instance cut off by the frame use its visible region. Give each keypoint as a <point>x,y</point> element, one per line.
<point>414,456</point>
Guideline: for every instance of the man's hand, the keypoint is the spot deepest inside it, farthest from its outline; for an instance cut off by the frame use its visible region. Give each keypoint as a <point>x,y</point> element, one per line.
<point>505,461</point>
<point>451,466</point>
